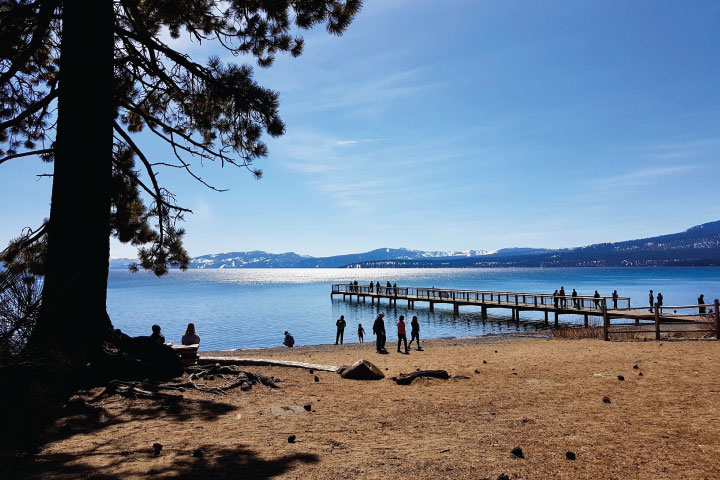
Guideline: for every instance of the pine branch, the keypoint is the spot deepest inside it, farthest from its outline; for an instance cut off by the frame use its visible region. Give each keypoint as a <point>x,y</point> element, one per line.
<point>26,154</point>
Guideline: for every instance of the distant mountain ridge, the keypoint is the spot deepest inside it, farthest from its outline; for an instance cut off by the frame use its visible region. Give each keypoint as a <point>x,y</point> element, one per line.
<point>697,246</point>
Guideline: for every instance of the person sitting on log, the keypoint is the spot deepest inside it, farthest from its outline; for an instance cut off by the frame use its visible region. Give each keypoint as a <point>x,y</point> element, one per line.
<point>190,337</point>
<point>156,335</point>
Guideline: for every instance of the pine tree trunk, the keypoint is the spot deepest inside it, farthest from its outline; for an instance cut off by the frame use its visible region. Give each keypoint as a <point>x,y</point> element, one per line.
<point>73,319</point>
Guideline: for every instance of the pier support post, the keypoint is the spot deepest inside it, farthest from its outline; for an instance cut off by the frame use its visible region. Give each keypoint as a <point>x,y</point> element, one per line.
<point>432,306</point>
<point>546,318</point>
<point>657,322</point>
<point>606,324</point>
<point>483,312</point>
<point>456,308</point>
<point>556,319</point>
<point>372,300</point>
<point>517,314</point>
<point>586,320</point>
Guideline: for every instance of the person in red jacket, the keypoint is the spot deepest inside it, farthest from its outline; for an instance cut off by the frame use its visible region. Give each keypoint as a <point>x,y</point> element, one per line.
<point>401,334</point>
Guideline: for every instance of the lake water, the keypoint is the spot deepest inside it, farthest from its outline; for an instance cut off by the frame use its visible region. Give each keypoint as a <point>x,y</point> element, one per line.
<point>244,308</point>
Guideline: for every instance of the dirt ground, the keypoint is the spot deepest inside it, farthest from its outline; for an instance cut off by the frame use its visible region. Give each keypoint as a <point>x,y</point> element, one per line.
<point>544,395</point>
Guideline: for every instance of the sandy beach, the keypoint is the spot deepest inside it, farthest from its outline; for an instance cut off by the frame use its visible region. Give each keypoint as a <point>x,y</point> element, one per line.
<point>544,395</point>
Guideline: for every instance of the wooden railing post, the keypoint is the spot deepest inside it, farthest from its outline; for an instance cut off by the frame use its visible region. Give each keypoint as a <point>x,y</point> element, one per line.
<point>717,319</point>
<point>657,322</point>
<point>606,323</point>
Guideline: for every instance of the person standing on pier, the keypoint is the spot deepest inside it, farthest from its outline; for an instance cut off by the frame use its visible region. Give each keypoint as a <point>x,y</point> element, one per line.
<point>355,286</point>
<point>701,302</point>
<point>576,302</point>
<point>555,298</point>
<point>563,298</point>
<point>379,332</point>
<point>395,289</point>
<point>615,299</point>
<point>596,299</point>
<point>402,336</point>
<point>371,287</point>
<point>377,287</point>
<point>361,331</point>
<point>659,302</point>
<point>340,329</point>
<point>651,299</point>
<point>415,332</point>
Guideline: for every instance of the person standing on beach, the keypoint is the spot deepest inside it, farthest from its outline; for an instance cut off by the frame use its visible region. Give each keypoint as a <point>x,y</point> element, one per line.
<point>379,332</point>
<point>361,332</point>
<point>415,332</point>
<point>615,299</point>
<point>659,302</point>
<point>402,337</point>
<point>596,299</point>
<point>340,329</point>
<point>701,302</point>
<point>651,298</point>
<point>563,298</point>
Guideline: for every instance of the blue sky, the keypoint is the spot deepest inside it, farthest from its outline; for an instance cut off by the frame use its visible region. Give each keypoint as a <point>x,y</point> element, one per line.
<point>465,124</point>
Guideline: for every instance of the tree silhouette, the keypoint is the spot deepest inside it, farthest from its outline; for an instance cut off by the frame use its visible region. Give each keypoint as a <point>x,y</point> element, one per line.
<point>80,78</point>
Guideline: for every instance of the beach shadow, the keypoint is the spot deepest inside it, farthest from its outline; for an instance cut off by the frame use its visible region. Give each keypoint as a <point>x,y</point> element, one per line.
<point>215,463</point>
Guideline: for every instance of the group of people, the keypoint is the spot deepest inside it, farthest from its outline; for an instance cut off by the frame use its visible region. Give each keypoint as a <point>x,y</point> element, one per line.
<point>190,337</point>
<point>390,288</point>
<point>381,336</point>
<point>560,299</point>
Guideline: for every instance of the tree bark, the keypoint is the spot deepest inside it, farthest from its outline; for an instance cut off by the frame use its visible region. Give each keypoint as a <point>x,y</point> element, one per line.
<point>73,318</point>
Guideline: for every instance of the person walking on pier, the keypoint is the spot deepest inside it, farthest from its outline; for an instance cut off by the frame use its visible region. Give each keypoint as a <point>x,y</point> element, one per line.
<point>659,302</point>
<point>596,299</point>
<point>379,332</point>
<point>576,302</point>
<point>402,337</point>
<point>701,302</point>
<point>377,287</point>
<point>395,289</point>
<point>555,298</point>
<point>563,298</point>
<point>355,286</point>
<point>388,288</point>
<point>615,299</point>
<point>651,299</point>
<point>361,332</point>
<point>415,332</point>
<point>371,287</point>
<point>340,329</point>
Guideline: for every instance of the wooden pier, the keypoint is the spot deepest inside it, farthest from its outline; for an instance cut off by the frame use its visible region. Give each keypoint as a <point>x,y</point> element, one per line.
<point>586,305</point>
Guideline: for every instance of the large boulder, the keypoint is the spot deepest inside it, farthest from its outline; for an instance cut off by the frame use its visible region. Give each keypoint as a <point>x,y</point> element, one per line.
<point>361,370</point>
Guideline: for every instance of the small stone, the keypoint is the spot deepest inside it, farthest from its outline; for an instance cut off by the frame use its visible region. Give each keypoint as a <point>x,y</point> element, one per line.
<point>621,378</point>
<point>157,448</point>
<point>606,399</point>
<point>477,371</point>
<point>245,387</point>
<point>316,379</point>
<point>291,439</point>
<point>308,407</point>
<point>484,362</point>
<point>495,351</point>
<point>640,374</point>
<point>514,373</point>
<point>570,455</point>
<point>502,476</point>
<point>517,452</point>
<point>312,371</point>
<point>635,367</point>
<point>197,453</point>
<point>386,369</point>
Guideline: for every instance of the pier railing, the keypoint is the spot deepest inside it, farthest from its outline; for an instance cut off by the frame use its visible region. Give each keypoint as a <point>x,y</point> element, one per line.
<point>694,319</point>
<point>448,295</point>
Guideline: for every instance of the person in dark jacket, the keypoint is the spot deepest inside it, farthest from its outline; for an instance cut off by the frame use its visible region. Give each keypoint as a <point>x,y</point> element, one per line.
<point>576,302</point>
<point>701,301</point>
<point>379,332</point>
<point>659,302</point>
<point>415,332</point>
<point>156,335</point>
<point>340,329</point>
<point>556,297</point>
<point>361,332</point>
<point>615,299</point>
<point>651,299</point>
<point>596,299</point>
<point>402,336</point>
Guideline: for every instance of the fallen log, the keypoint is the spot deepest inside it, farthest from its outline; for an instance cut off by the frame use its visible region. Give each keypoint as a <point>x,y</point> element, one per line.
<point>407,378</point>
<point>263,362</point>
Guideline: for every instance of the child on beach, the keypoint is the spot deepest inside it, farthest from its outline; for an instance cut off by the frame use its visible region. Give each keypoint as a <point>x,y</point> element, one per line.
<point>401,334</point>
<point>361,332</point>
<point>415,332</point>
